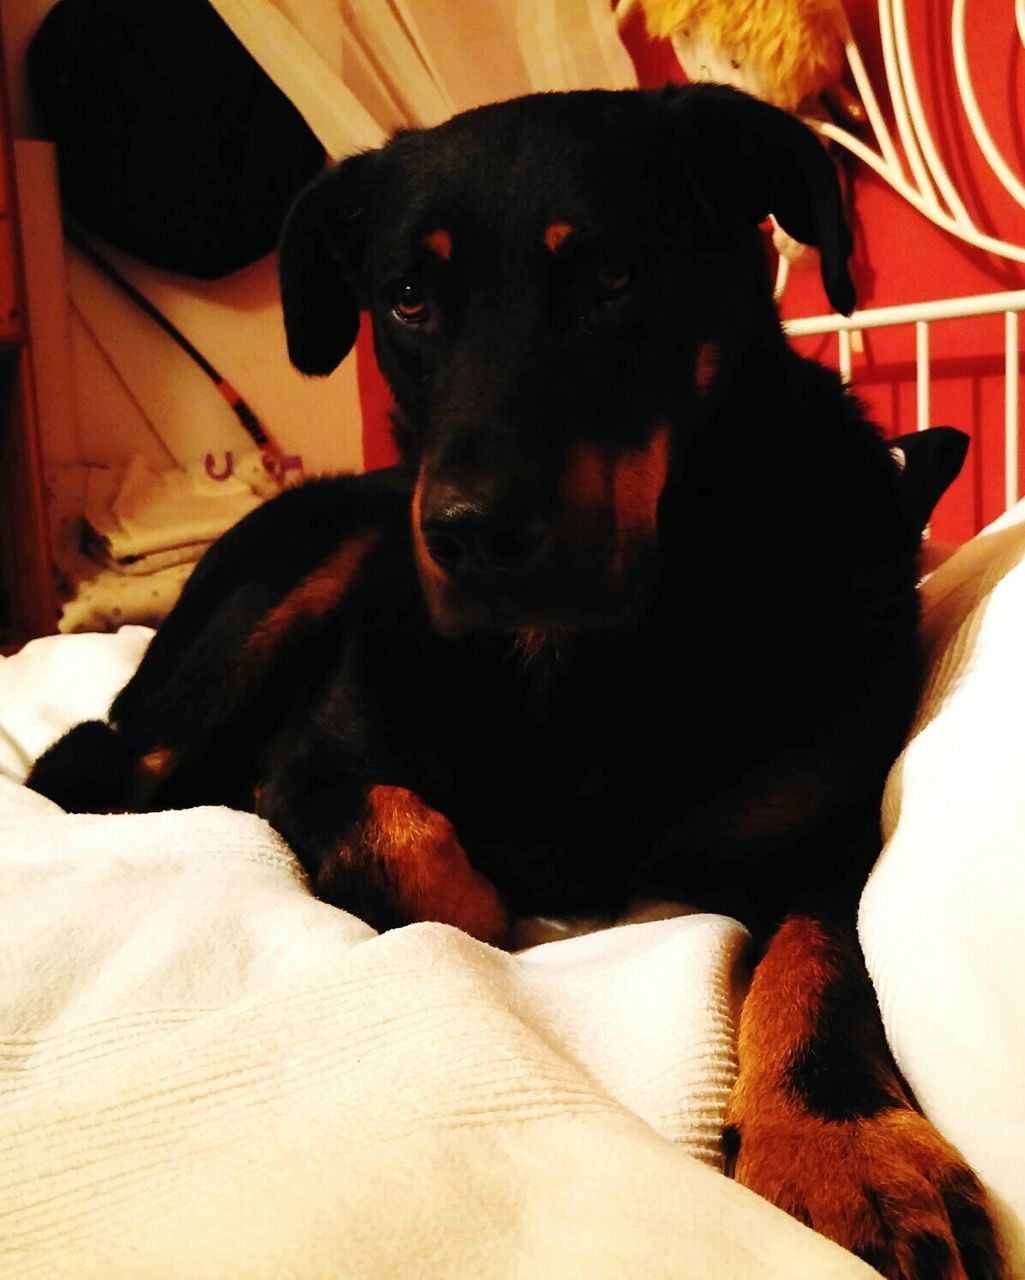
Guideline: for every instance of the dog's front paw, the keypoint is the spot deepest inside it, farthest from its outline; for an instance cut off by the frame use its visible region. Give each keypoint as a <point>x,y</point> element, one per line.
<point>430,876</point>
<point>888,1188</point>
<point>402,862</point>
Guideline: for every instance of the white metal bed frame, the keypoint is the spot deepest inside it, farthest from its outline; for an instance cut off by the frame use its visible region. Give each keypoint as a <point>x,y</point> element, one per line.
<point>929,188</point>
<point>931,191</point>
<point>922,314</point>
<point>915,170</point>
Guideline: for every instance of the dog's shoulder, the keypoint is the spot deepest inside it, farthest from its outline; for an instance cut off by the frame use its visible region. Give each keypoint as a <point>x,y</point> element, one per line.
<point>286,567</point>
<point>281,542</point>
<point>790,449</point>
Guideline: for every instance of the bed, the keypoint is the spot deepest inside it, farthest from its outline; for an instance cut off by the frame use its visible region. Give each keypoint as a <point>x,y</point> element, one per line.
<point>206,1072</point>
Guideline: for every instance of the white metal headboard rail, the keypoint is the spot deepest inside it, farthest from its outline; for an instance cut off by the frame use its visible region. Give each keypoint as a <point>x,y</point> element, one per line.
<point>921,314</point>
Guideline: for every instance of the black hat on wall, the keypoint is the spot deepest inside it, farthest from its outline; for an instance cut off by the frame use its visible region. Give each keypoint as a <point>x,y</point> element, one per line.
<point>172,142</point>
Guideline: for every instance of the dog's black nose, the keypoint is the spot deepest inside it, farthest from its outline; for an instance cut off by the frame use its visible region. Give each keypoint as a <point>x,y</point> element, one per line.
<point>469,535</point>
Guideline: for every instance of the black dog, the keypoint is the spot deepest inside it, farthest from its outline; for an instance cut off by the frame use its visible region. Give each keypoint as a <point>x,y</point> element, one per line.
<point>635,615</point>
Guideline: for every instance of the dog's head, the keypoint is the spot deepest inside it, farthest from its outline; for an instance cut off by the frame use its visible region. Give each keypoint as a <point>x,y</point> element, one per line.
<point>556,285</point>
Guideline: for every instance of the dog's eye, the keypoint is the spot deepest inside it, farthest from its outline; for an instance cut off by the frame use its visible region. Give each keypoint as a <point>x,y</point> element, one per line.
<point>613,278</point>
<point>409,304</point>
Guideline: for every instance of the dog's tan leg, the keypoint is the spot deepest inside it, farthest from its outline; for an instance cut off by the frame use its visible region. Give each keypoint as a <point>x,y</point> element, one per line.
<point>401,862</point>
<point>821,1124</point>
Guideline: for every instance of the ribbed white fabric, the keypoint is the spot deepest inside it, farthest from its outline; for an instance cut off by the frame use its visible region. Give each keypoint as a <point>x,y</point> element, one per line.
<point>204,1072</point>
<point>943,916</point>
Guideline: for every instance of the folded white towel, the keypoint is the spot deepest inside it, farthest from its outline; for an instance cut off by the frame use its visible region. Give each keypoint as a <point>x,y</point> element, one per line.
<point>158,510</point>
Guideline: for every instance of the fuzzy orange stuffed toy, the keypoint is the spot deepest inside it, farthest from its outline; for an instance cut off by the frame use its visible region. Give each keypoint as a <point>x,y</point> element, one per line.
<point>789,52</point>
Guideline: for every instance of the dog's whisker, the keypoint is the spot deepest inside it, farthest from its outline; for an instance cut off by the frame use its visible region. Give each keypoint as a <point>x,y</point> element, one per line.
<point>532,644</point>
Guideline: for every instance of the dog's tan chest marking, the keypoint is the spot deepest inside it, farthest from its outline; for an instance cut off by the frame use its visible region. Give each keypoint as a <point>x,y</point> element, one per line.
<point>556,235</point>
<point>440,243</point>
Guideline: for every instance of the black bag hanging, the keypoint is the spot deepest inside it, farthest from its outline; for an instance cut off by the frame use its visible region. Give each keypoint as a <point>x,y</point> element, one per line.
<point>172,142</point>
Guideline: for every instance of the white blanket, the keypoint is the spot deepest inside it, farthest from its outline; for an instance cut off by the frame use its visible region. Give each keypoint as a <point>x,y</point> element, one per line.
<point>204,1072</point>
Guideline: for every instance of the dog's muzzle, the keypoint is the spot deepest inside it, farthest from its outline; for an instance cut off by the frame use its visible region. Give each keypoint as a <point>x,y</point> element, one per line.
<point>517,556</point>
<point>484,561</point>
<point>468,536</point>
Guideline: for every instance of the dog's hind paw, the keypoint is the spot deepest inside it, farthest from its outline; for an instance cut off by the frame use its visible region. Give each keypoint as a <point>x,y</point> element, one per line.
<point>889,1188</point>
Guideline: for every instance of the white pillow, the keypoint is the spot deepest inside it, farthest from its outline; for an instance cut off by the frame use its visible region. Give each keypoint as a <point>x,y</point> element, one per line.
<point>943,916</point>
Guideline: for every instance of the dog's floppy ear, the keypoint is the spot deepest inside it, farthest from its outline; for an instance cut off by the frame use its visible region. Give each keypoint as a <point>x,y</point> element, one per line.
<point>319,259</point>
<point>929,462</point>
<point>753,159</point>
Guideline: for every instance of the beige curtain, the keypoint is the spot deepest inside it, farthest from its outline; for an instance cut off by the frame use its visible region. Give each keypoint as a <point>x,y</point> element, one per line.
<point>358,69</point>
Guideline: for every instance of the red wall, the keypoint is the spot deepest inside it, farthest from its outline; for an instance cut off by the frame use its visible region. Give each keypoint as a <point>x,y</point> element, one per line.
<point>900,256</point>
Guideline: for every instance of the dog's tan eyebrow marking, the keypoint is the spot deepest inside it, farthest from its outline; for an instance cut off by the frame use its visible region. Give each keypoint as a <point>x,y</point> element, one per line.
<point>440,243</point>
<point>556,234</point>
